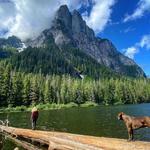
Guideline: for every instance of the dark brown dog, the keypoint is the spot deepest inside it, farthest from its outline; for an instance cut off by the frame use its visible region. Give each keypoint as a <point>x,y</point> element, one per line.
<point>133,123</point>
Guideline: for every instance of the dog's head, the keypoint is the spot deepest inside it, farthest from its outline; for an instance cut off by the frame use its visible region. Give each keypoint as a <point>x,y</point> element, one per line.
<point>120,115</point>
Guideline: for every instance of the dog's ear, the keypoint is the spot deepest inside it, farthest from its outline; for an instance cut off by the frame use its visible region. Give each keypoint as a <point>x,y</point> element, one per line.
<point>120,115</point>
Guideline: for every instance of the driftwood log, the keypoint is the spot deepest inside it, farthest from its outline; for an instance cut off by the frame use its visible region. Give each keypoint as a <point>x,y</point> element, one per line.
<point>67,141</point>
<point>24,144</point>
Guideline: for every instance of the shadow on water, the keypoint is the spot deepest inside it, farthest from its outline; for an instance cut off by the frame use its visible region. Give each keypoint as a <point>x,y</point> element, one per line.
<point>96,121</point>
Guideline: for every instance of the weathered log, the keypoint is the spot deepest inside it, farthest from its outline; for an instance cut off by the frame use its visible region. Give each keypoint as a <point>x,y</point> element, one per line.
<point>67,141</point>
<point>23,144</point>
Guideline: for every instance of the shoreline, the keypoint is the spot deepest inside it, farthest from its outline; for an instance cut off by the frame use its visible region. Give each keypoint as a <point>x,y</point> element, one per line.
<point>55,106</point>
<point>47,106</point>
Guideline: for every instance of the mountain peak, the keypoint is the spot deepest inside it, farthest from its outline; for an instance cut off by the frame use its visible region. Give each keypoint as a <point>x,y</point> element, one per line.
<point>63,11</point>
<point>75,12</point>
<point>70,29</point>
<point>64,7</point>
<point>62,17</point>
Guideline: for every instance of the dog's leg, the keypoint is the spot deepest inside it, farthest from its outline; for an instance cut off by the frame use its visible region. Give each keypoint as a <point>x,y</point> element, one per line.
<point>130,134</point>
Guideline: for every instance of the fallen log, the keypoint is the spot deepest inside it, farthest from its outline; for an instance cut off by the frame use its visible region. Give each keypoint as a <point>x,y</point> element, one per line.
<point>67,141</point>
<point>24,144</point>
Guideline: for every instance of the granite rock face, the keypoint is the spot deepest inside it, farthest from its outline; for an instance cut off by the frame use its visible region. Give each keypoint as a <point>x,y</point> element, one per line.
<point>11,41</point>
<point>68,28</point>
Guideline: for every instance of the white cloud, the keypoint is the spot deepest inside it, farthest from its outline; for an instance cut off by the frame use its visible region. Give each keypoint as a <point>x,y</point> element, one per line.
<point>133,50</point>
<point>28,18</point>
<point>100,14</point>
<point>129,29</point>
<point>145,42</point>
<point>7,13</point>
<point>142,7</point>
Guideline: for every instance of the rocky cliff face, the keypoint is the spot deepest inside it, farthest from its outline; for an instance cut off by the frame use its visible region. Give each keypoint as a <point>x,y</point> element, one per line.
<point>70,29</point>
<point>12,41</point>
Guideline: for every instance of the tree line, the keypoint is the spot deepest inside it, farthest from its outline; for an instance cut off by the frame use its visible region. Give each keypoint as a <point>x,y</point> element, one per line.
<point>17,88</point>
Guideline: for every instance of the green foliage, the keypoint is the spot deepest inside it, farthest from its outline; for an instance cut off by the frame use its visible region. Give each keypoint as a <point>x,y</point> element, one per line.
<point>51,60</point>
<point>88,104</point>
<point>14,109</point>
<point>131,71</point>
<point>21,89</point>
<point>7,52</point>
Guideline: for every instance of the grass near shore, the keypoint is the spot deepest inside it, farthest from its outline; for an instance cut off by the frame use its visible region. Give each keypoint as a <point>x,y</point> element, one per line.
<point>47,106</point>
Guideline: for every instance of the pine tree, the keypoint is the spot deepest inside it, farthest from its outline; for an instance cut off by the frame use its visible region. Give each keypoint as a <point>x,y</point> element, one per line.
<point>6,85</point>
<point>26,91</point>
<point>34,93</point>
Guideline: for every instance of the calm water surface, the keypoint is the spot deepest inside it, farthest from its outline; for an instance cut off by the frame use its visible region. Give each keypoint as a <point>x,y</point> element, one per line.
<point>96,121</point>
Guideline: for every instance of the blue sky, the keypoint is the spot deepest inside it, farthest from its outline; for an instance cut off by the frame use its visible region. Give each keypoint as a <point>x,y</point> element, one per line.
<point>127,34</point>
<point>125,22</point>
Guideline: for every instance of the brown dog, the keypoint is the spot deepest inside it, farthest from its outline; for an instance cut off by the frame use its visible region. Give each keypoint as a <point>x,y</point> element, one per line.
<point>133,123</point>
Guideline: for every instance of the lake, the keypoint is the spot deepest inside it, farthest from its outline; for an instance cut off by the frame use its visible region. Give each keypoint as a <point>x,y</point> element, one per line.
<point>96,121</point>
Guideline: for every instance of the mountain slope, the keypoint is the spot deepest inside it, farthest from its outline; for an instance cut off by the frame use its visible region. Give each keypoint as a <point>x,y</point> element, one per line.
<point>70,29</point>
<point>49,59</point>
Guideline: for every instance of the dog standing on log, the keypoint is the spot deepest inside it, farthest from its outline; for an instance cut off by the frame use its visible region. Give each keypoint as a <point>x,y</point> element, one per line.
<point>133,123</point>
<point>34,117</point>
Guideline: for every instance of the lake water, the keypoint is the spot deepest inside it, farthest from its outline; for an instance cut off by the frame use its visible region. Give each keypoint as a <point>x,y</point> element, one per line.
<point>96,121</point>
